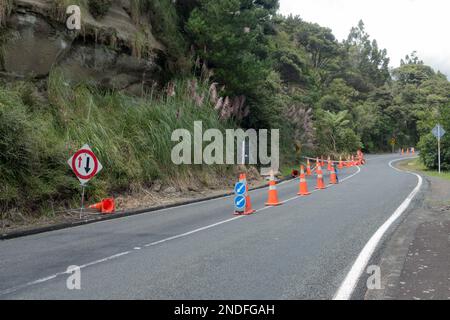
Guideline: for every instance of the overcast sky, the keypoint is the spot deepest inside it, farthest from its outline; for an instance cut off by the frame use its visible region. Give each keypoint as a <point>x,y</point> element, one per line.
<point>400,26</point>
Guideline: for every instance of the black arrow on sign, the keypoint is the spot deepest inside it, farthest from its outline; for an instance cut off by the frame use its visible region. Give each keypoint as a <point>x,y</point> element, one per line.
<point>87,168</point>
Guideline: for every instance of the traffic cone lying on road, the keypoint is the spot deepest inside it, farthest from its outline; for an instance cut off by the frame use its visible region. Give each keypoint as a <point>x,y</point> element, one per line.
<point>273,193</point>
<point>320,182</point>
<point>303,191</point>
<point>105,206</point>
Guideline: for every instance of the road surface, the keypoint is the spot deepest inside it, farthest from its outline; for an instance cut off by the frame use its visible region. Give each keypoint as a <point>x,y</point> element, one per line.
<point>302,249</point>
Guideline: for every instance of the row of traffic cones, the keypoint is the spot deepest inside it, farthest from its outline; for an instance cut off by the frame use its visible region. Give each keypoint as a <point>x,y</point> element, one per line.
<point>273,199</point>
<point>409,151</point>
<point>350,162</point>
<point>303,187</point>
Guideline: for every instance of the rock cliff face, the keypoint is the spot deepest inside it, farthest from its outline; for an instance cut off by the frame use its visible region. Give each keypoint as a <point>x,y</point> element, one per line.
<point>113,52</point>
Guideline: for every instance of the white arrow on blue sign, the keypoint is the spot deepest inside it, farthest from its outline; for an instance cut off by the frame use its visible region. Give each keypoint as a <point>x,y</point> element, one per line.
<point>438,131</point>
<point>239,188</point>
<point>239,202</point>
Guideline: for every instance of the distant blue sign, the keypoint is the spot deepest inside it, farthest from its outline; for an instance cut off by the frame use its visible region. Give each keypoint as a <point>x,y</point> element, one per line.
<point>239,202</point>
<point>438,131</point>
<point>239,188</point>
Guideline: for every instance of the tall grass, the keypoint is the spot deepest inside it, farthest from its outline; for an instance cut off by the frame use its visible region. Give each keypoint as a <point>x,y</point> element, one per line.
<point>5,10</point>
<point>131,136</point>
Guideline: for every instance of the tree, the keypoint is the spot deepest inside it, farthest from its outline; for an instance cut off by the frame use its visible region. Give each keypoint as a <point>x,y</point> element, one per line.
<point>367,66</point>
<point>333,127</point>
<point>229,37</point>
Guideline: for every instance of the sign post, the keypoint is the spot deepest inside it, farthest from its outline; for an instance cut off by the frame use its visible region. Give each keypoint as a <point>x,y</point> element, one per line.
<point>438,132</point>
<point>239,200</point>
<point>393,141</point>
<point>85,165</point>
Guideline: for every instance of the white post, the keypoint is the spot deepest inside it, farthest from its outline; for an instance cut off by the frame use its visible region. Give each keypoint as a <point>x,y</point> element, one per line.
<point>439,148</point>
<point>243,152</point>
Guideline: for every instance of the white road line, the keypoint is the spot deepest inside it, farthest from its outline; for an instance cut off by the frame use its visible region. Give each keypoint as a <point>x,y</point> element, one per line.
<point>14,289</point>
<point>192,232</point>
<point>350,282</point>
<point>53,276</point>
<point>351,176</point>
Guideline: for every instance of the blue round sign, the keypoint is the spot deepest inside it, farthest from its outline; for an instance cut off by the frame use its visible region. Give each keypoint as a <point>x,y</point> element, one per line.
<point>240,188</point>
<point>239,202</point>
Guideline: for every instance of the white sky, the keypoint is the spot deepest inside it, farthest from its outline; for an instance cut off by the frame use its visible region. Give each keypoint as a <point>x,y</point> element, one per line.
<point>400,26</point>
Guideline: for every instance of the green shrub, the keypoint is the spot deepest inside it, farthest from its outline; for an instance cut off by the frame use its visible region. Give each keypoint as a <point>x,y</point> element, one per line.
<point>429,152</point>
<point>98,8</point>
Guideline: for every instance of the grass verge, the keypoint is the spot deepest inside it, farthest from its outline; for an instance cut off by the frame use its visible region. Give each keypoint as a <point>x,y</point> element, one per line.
<point>418,166</point>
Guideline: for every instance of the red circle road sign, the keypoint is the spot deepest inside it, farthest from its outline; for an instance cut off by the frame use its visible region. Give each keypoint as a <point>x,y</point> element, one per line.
<point>75,168</point>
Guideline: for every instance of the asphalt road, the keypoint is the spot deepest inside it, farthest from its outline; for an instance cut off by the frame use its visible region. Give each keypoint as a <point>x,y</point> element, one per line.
<point>300,250</point>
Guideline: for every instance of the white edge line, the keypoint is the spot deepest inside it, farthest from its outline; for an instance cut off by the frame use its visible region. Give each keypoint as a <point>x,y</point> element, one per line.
<point>348,286</point>
<point>45,279</point>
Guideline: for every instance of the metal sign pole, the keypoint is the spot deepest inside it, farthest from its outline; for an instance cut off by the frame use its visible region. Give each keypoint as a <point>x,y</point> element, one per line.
<point>439,148</point>
<point>83,186</point>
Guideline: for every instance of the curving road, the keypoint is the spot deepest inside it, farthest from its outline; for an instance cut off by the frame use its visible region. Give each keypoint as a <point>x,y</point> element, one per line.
<point>302,249</point>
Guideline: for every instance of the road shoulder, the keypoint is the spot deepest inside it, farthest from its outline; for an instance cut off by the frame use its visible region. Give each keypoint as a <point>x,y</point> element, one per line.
<point>415,260</point>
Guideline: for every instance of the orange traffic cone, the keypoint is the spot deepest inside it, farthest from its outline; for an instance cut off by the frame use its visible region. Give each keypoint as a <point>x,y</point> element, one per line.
<point>407,151</point>
<point>329,164</point>
<point>320,183</point>
<point>308,168</point>
<point>105,206</point>
<point>413,150</point>
<point>248,206</point>
<point>303,191</point>
<point>273,194</point>
<point>333,176</point>
<point>348,163</point>
<point>403,152</point>
<point>322,163</point>
<point>341,164</point>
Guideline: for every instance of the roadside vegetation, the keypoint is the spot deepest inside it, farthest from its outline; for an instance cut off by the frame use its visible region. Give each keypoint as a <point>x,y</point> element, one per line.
<point>130,135</point>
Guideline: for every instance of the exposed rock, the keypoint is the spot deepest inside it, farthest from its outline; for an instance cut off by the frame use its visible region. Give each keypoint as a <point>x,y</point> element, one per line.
<point>107,68</point>
<point>156,186</point>
<point>194,188</point>
<point>106,52</point>
<point>170,190</point>
<point>33,45</point>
